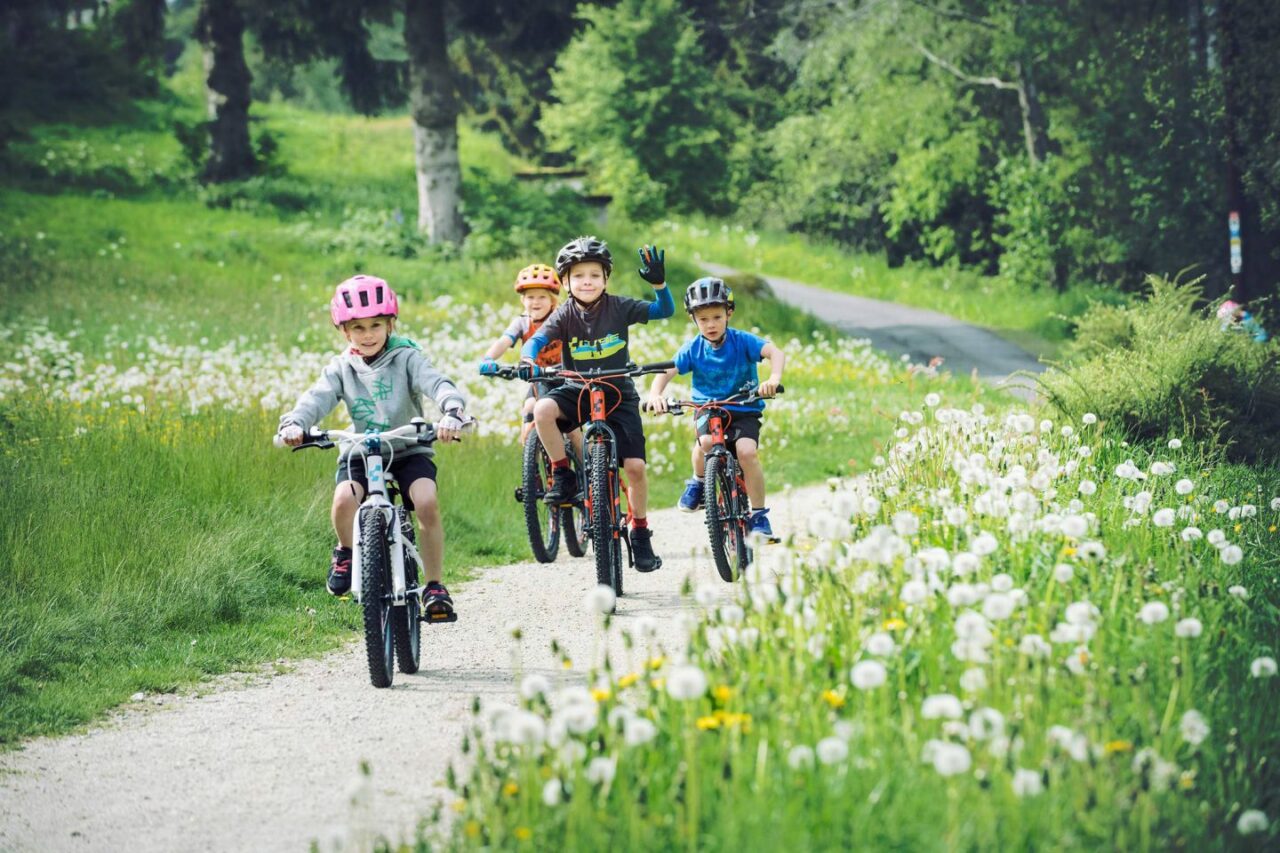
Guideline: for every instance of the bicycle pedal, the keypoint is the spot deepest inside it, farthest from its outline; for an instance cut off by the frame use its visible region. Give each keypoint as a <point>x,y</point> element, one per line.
<point>520,495</point>
<point>440,618</point>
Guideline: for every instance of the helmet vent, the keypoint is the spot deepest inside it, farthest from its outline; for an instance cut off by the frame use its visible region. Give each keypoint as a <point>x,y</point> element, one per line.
<point>346,297</point>
<point>377,296</point>
<point>364,299</point>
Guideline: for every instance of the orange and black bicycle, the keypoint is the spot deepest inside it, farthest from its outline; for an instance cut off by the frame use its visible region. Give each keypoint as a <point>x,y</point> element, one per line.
<point>601,488</point>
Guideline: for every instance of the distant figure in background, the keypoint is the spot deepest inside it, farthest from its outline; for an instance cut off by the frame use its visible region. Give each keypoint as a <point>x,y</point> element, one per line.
<point>1233,315</point>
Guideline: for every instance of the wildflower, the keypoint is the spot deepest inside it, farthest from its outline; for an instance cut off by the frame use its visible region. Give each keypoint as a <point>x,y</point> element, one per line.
<point>932,399</point>
<point>600,693</point>
<point>1189,628</point>
<point>1238,591</point>
<point>880,645</point>
<point>552,792</point>
<point>523,833</point>
<point>1111,747</point>
<point>965,563</point>
<point>832,750</point>
<point>686,682</point>
<point>800,757</point>
<point>948,759</point>
<point>1251,821</point>
<point>1216,538</point>
<point>868,674</point>
<point>627,680</point>
<point>602,770</point>
<point>1164,517</point>
<point>832,698</point>
<point>983,544</point>
<point>1191,534</point>
<point>1221,506</point>
<point>1033,645</point>
<point>973,680</point>
<point>1175,444</point>
<point>1194,728</point>
<point>1027,783</point>
<point>639,731</point>
<point>1263,667</point>
<point>599,599</point>
<point>1231,555</point>
<point>1063,573</point>
<point>1275,504</point>
<point>1154,612</point>
<point>1093,551</point>
<point>941,705</point>
<point>534,684</point>
<point>511,789</point>
<point>1075,526</point>
<point>1089,419</point>
<point>914,592</point>
<point>1161,469</point>
<point>1184,486</point>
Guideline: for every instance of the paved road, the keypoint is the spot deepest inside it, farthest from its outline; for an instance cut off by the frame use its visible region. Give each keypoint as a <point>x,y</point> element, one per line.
<point>916,332</point>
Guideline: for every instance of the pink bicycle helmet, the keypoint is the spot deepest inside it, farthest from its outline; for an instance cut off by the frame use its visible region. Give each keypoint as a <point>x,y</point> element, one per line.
<point>1227,310</point>
<point>361,297</point>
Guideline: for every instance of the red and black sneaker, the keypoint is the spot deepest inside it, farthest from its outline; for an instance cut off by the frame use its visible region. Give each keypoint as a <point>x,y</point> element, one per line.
<point>340,572</point>
<point>437,604</point>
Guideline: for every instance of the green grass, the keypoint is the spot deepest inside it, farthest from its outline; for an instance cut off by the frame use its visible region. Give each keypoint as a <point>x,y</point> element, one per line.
<point>164,545</point>
<point>1038,320</point>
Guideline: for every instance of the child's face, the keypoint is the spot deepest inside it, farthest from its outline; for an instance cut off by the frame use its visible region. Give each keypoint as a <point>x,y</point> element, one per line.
<point>537,303</point>
<point>712,321</point>
<point>587,281</point>
<point>369,336</point>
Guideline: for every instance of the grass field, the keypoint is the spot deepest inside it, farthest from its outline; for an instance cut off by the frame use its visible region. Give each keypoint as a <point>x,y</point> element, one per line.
<point>153,335</point>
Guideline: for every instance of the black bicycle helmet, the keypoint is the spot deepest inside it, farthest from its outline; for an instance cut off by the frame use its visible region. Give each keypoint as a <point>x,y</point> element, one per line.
<point>584,249</point>
<point>708,291</point>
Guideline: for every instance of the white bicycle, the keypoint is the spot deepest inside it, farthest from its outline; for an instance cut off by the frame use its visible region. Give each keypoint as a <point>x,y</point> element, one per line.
<point>385,565</point>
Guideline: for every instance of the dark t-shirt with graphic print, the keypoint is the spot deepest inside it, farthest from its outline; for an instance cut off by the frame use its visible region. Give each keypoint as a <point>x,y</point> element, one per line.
<point>596,338</point>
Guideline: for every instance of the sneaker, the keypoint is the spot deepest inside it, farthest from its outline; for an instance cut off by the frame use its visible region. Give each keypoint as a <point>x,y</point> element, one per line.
<point>759,523</point>
<point>340,572</point>
<point>564,487</point>
<point>437,604</point>
<point>642,550</point>
<point>691,500</point>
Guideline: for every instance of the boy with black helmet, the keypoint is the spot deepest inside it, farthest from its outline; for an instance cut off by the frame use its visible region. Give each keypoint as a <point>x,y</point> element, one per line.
<point>593,328</point>
<point>723,363</point>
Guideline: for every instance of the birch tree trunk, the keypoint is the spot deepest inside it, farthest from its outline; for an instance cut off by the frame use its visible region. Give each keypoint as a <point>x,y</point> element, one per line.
<point>220,28</point>
<point>434,109</point>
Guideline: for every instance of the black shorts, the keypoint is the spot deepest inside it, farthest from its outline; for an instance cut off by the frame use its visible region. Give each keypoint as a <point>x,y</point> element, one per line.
<point>623,419</point>
<point>405,469</point>
<point>741,425</point>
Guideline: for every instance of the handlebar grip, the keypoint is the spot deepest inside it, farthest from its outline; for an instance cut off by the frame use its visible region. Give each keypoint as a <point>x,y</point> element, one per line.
<point>278,441</point>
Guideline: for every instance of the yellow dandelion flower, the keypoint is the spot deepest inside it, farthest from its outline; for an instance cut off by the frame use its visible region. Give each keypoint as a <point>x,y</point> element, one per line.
<point>567,664</point>
<point>658,683</point>
<point>1271,529</point>
<point>523,833</point>
<point>1187,780</point>
<point>459,806</point>
<point>707,723</point>
<point>511,789</point>
<point>627,680</point>
<point>723,693</point>
<point>600,694</point>
<point>1113,746</point>
<point>1238,528</point>
<point>1068,551</point>
<point>832,698</point>
<point>894,624</point>
<point>473,829</point>
<point>656,663</point>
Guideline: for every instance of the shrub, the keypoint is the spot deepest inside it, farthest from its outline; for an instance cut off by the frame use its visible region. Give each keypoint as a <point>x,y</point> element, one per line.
<point>1164,368</point>
<point>508,219</point>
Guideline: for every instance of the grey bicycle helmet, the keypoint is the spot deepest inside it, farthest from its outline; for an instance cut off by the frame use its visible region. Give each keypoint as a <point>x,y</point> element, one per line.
<point>584,249</point>
<point>708,291</point>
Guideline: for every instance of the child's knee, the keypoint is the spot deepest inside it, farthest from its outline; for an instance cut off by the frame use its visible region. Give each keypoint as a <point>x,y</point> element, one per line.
<point>748,452</point>
<point>545,410</point>
<point>347,495</point>
<point>704,442</point>
<point>634,467</point>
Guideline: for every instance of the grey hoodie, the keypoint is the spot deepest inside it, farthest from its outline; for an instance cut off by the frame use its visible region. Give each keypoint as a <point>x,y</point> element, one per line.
<point>380,395</point>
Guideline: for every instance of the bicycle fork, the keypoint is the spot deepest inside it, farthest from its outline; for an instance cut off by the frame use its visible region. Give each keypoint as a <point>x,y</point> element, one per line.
<point>376,501</point>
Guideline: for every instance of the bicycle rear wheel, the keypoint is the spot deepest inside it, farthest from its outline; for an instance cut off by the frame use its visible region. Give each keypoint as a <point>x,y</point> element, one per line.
<point>575,524</point>
<point>375,566</point>
<point>541,521</point>
<point>725,524</point>
<point>406,624</point>
<point>604,538</point>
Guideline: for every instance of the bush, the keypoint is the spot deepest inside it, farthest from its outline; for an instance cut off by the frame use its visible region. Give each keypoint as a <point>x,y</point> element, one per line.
<point>1164,368</point>
<point>508,219</point>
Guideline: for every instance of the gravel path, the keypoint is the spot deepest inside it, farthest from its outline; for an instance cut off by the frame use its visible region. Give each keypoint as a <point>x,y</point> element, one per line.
<point>916,332</point>
<point>274,764</point>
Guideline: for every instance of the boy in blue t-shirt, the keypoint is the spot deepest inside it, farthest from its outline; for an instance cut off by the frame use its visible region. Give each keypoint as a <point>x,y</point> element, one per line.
<point>723,363</point>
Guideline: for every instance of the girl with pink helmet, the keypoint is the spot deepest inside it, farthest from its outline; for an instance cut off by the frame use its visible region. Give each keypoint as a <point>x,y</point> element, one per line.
<point>382,377</point>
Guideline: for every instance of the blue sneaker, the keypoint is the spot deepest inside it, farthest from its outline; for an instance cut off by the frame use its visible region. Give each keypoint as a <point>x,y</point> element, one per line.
<point>759,523</point>
<point>691,500</point>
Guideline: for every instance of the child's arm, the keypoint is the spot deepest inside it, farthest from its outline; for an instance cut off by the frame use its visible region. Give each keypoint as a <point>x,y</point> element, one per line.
<point>777,360</point>
<point>654,270</point>
<point>315,403</point>
<point>657,402</point>
<point>432,383</point>
<point>498,347</point>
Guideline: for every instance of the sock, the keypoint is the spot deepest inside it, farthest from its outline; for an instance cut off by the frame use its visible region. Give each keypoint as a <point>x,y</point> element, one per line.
<point>341,550</point>
<point>528,418</point>
<point>563,463</point>
<point>756,509</point>
<point>639,524</point>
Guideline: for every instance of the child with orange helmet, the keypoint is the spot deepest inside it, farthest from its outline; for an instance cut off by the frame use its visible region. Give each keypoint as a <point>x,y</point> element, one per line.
<point>539,289</point>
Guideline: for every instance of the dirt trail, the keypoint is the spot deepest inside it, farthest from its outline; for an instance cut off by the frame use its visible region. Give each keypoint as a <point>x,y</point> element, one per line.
<point>273,765</point>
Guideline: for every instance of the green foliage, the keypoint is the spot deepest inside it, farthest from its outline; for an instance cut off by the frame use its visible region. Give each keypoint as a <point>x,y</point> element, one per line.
<point>1162,368</point>
<point>636,105</point>
<point>506,218</point>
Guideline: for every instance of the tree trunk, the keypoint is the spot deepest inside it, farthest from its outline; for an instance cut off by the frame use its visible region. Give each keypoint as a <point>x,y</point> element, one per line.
<point>434,108</point>
<point>1034,131</point>
<point>220,28</point>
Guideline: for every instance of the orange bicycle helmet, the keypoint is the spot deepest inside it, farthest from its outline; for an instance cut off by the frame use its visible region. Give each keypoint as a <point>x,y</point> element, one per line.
<point>537,277</point>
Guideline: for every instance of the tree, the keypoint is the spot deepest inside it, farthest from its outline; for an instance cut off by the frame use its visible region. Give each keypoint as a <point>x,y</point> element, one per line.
<point>433,105</point>
<point>220,29</point>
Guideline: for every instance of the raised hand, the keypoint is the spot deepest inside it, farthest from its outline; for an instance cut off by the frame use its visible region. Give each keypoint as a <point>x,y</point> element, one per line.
<point>653,267</point>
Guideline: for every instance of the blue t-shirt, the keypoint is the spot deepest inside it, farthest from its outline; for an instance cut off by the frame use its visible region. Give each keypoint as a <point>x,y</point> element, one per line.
<point>720,372</point>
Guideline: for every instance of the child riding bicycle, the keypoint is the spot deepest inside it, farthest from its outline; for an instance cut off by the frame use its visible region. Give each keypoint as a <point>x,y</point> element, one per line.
<point>381,377</point>
<point>723,363</point>
<point>539,289</point>
<point>593,329</point>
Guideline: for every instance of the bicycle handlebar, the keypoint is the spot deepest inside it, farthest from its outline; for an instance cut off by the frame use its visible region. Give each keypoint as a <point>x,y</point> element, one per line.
<point>512,371</point>
<point>677,407</point>
<point>323,438</point>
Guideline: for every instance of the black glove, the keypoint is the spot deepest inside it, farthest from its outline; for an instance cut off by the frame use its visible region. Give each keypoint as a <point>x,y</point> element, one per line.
<point>527,371</point>
<point>654,269</point>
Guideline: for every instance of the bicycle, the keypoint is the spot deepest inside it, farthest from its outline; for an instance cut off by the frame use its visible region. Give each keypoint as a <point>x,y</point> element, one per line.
<point>728,508</point>
<point>385,564</point>
<point>610,527</point>
<point>546,524</point>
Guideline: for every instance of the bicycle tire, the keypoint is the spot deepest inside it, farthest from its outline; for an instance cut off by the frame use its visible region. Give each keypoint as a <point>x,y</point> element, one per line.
<point>541,521</point>
<point>406,624</point>
<point>374,569</point>
<point>605,543</point>
<point>724,527</point>
<point>575,526</point>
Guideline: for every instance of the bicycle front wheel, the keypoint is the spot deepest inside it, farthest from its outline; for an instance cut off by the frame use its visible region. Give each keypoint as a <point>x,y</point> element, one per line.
<point>725,524</point>
<point>406,622</point>
<point>541,521</point>
<point>375,575</point>
<point>604,531</point>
